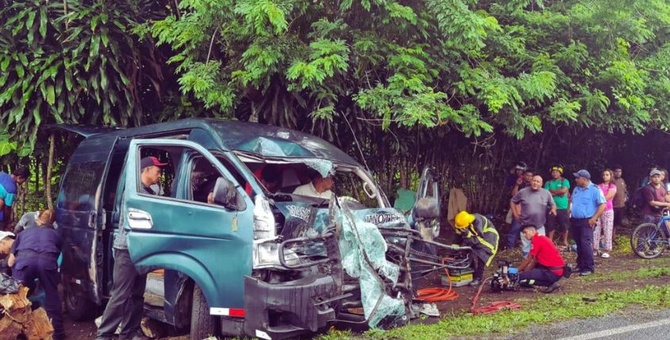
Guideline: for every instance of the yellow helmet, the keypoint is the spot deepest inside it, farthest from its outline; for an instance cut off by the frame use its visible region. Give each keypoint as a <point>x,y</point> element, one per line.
<point>464,219</point>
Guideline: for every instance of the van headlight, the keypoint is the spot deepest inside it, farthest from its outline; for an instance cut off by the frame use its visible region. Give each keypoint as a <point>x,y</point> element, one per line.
<point>264,221</point>
<point>266,248</point>
<point>266,255</point>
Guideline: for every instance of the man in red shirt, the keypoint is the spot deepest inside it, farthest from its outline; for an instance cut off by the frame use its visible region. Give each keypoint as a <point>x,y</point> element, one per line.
<point>544,264</point>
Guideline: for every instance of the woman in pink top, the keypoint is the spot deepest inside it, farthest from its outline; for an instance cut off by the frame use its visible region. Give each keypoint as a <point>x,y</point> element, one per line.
<point>605,223</point>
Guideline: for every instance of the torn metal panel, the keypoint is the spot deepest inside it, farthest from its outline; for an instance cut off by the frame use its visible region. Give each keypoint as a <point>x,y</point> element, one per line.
<point>363,251</point>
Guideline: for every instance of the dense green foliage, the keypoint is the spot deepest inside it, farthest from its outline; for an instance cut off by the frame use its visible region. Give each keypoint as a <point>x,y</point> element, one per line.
<point>465,64</point>
<point>72,62</point>
<point>468,87</point>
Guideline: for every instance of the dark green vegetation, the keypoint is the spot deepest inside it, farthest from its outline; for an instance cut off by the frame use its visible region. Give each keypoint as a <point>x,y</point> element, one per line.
<point>466,86</point>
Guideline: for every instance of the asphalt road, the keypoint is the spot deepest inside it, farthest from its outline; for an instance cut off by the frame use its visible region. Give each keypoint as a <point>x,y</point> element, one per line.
<point>631,324</point>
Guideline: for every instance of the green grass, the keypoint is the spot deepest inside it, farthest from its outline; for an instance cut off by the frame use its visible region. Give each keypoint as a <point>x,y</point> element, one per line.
<point>534,312</point>
<point>621,245</point>
<point>641,273</point>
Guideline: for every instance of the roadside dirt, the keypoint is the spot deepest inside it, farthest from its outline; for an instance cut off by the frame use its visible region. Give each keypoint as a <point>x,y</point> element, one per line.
<point>622,260</point>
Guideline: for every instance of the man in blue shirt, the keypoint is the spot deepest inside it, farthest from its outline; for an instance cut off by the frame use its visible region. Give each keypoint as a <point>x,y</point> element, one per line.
<point>588,203</point>
<point>8,186</point>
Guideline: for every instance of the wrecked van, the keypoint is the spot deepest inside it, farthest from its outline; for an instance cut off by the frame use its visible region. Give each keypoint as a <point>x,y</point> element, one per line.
<point>253,261</point>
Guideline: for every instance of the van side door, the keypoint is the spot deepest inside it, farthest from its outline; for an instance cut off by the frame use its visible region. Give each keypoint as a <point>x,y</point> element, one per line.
<point>182,231</point>
<point>81,219</point>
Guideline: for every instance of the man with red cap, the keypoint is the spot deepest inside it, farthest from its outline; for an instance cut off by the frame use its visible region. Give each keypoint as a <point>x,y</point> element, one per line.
<point>126,303</point>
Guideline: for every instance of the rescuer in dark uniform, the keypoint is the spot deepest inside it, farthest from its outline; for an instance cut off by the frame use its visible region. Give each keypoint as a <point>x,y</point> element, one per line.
<point>33,256</point>
<point>479,233</point>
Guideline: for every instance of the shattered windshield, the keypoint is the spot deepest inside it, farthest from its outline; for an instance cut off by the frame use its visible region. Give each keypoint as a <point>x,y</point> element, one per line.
<point>301,177</point>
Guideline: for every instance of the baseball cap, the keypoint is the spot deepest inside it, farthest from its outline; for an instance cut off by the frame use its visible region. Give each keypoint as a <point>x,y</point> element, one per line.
<point>4,234</point>
<point>582,173</point>
<point>521,166</point>
<point>150,161</point>
<point>655,172</point>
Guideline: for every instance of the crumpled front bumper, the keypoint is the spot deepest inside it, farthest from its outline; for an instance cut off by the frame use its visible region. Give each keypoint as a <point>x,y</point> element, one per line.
<point>287,309</point>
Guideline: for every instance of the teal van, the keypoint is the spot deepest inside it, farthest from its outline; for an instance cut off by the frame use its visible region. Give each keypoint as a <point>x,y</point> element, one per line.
<point>253,261</point>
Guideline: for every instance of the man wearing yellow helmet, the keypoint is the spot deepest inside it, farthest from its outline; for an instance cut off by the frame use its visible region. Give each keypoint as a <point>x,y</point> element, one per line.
<point>480,234</point>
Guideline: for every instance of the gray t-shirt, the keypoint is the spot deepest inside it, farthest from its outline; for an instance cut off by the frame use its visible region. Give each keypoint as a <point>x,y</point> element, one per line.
<point>535,205</point>
<point>121,239</point>
<point>29,220</point>
<point>26,221</point>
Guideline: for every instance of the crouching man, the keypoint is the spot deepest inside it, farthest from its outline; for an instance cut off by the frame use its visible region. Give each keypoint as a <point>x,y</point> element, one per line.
<point>478,232</point>
<point>544,265</point>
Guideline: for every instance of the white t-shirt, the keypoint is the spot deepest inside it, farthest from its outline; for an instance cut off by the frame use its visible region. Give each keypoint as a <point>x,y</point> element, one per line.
<point>309,190</point>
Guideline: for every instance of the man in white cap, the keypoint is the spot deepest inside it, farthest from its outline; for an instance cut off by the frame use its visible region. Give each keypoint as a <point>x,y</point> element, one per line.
<point>588,203</point>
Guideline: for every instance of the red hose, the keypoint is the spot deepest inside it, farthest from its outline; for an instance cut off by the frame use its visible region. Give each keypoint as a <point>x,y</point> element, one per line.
<point>438,294</point>
<point>493,307</point>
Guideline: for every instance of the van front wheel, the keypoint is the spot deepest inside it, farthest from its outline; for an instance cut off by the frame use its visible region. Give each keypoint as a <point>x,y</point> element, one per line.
<point>203,324</point>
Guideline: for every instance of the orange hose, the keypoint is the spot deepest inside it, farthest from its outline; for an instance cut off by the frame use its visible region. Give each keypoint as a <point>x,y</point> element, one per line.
<point>437,294</point>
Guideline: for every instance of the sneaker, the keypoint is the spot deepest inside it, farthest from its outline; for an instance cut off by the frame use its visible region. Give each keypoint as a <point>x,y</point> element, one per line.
<point>554,286</point>
<point>585,273</point>
<point>605,255</point>
<point>475,283</point>
<point>430,309</point>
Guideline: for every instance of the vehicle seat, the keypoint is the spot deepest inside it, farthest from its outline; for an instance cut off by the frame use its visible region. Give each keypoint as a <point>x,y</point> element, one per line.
<point>289,180</point>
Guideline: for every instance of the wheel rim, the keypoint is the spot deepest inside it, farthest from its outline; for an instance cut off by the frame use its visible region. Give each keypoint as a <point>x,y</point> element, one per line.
<point>648,241</point>
<point>71,300</point>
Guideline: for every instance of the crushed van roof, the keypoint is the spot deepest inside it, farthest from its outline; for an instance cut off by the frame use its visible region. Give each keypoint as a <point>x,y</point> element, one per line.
<point>267,141</point>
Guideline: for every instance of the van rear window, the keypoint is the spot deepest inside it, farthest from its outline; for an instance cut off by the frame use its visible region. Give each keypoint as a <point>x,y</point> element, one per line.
<point>80,185</point>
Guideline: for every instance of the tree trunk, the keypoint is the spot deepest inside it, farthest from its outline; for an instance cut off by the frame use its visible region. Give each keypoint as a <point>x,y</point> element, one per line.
<point>47,182</point>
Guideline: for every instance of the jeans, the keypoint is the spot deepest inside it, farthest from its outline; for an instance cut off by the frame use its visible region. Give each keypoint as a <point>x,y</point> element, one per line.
<point>646,218</point>
<point>582,233</point>
<point>537,277</point>
<point>46,270</point>
<point>513,232</point>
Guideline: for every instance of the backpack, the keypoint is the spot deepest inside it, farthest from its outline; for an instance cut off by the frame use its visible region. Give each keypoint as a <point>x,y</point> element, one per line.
<point>638,201</point>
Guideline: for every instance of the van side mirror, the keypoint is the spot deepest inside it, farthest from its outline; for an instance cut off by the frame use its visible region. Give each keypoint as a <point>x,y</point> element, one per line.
<point>226,195</point>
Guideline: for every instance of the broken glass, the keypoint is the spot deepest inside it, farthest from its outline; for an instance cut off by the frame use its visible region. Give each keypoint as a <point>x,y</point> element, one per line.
<point>363,250</point>
<point>323,166</point>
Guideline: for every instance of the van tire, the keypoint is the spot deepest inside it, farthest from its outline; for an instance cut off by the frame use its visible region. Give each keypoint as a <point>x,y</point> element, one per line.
<point>78,307</point>
<point>203,324</point>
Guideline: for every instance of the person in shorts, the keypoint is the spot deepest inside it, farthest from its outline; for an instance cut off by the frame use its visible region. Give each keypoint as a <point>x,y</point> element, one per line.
<point>558,224</point>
